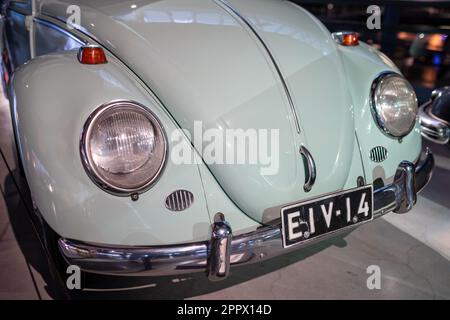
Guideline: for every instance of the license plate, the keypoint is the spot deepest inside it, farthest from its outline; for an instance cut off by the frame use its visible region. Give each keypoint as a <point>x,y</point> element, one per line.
<point>311,219</point>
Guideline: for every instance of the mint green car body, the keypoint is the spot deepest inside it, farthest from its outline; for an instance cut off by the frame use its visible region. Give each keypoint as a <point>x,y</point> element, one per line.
<point>192,60</point>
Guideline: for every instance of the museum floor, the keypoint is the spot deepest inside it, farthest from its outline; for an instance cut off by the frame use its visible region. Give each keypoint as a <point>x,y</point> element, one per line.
<point>412,251</point>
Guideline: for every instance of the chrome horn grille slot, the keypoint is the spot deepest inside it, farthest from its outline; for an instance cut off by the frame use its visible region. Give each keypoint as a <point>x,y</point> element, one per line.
<point>378,154</point>
<point>179,200</point>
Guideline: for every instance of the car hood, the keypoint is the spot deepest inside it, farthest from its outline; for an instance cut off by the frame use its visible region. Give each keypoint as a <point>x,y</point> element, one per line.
<point>212,71</point>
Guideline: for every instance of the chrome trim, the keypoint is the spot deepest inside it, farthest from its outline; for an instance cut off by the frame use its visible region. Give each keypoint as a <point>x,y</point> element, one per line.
<point>259,245</point>
<point>77,31</point>
<point>76,28</point>
<point>91,172</point>
<point>60,29</point>
<point>426,169</point>
<point>380,122</point>
<point>229,8</point>
<point>437,93</point>
<point>405,181</point>
<point>397,196</point>
<point>431,127</point>
<point>311,169</point>
<point>179,200</point>
<point>218,265</point>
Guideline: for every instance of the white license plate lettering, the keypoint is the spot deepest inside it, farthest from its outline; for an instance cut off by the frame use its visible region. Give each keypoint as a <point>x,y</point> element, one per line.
<point>327,213</point>
<point>294,232</point>
<point>317,217</point>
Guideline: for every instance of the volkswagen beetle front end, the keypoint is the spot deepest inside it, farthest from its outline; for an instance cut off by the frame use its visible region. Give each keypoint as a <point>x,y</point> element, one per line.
<point>105,108</point>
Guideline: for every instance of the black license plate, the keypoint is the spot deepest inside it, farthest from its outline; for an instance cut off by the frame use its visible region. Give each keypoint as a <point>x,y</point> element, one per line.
<point>311,219</point>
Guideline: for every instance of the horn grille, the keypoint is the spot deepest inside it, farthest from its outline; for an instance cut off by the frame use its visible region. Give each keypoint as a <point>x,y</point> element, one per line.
<point>179,200</point>
<point>378,154</point>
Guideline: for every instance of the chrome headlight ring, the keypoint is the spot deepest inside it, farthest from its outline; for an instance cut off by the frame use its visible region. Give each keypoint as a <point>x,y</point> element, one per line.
<point>124,129</point>
<point>393,104</point>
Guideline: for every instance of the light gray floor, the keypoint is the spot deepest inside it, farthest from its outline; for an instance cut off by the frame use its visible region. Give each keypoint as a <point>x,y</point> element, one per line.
<point>412,251</point>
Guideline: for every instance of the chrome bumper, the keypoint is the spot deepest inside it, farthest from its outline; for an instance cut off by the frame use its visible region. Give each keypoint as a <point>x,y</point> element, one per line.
<point>223,250</point>
<point>432,128</point>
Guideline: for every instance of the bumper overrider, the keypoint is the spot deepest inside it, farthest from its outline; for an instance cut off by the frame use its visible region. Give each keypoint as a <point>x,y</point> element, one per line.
<point>433,128</point>
<point>223,250</point>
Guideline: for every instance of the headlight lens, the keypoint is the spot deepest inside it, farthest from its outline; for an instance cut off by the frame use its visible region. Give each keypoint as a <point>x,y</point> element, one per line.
<point>394,104</point>
<point>123,147</point>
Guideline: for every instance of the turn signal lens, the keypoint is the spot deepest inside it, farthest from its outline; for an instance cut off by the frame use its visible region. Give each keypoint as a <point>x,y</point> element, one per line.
<point>348,39</point>
<point>92,55</point>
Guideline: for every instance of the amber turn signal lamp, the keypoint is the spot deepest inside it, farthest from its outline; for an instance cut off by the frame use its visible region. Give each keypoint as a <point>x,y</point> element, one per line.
<point>347,39</point>
<point>92,55</point>
<point>350,39</point>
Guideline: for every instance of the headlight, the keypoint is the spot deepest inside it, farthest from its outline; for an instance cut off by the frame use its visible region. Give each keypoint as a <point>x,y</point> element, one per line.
<point>394,104</point>
<point>123,147</point>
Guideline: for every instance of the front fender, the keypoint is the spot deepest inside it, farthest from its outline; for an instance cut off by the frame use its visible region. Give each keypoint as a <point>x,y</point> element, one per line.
<point>52,96</point>
<point>362,65</point>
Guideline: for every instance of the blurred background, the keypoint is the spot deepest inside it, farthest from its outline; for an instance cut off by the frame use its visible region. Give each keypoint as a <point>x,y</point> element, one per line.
<point>414,34</point>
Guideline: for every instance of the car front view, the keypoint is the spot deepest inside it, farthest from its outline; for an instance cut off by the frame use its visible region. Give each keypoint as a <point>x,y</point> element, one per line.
<point>197,135</point>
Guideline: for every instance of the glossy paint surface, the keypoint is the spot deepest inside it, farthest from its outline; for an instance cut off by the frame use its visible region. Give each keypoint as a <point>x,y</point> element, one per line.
<point>206,65</point>
<point>310,62</point>
<point>49,39</point>
<point>69,201</point>
<point>362,64</point>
